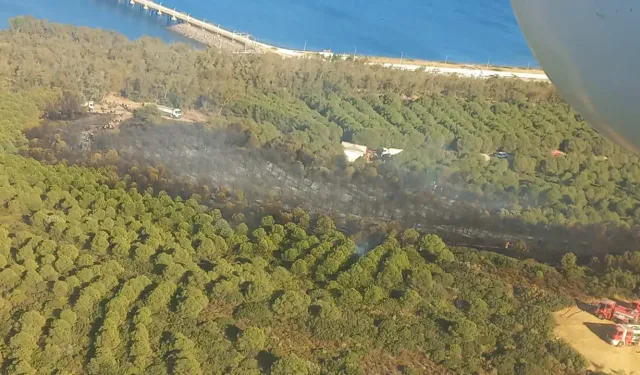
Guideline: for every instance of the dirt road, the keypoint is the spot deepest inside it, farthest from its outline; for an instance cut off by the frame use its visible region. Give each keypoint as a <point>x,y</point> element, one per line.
<point>123,109</point>
<point>587,334</point>
<point>191,115</point>
<point>397,61</point>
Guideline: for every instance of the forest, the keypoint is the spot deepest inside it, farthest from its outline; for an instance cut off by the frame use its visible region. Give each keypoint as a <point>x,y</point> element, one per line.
<point>102,273</point>
<point>305,107</point>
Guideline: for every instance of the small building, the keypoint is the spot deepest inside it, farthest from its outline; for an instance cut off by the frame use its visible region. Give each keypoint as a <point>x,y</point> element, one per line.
<point>354,152</point>
<point>390,151</point>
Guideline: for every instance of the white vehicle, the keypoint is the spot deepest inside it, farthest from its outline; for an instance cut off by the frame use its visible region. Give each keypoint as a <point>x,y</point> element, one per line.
<point>90,105</point>
<point>624,334</point>
<point>501,155</point>
<point>174,112</point>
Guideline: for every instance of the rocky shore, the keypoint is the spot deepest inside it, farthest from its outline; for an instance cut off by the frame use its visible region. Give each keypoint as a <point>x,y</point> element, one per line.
<point>214,40</point>
<point>209,39</point>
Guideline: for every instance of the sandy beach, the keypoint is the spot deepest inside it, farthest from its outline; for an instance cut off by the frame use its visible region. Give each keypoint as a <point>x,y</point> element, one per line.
<point>393,60</point>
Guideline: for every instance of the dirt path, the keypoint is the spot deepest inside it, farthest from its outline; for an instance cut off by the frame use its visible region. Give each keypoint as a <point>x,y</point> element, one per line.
<point>118,101</point>
<point>192,115</point>
<point>397,61</point>
<point>587,334</point>
<point>123,109</point>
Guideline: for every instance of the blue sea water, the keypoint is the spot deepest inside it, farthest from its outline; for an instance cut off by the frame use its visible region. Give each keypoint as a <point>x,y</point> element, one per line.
<point>456,30</point>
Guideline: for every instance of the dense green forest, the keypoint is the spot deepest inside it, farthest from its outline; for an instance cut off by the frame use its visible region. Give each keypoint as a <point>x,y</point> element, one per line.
<point>306,107</point>
<point>100,278</point>
<point>101,275</point>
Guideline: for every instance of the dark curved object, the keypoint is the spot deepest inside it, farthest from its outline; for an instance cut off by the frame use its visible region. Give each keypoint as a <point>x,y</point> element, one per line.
<point>590,49</point>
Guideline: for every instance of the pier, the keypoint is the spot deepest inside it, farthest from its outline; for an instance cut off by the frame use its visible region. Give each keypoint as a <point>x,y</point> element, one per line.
<point>250,45</point>
<point>176,15</point>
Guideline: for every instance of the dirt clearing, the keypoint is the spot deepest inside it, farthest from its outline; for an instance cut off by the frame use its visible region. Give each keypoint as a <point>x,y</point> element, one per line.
<point>392,60</point>
<point>587,334</point>
<point>192,115</point>
<point>123,109</point>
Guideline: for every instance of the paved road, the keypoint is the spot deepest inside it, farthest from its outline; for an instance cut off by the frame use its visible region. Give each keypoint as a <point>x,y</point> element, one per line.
<point>468,72</point>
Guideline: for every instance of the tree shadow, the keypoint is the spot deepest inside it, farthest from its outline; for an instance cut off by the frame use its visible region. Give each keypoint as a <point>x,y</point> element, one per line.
<point>232,332</point>
<point>577,309</point>
<point>206,265</point>
<point>599,329</point>
<point>622,303</point>
<point>266,360</point>
<point>603,370</point>
<point>586,307</point>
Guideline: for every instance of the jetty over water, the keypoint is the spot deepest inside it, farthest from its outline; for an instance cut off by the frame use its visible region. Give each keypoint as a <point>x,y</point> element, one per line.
<point>177,15</point>
<point>240,38</point>
<point>252,45</point>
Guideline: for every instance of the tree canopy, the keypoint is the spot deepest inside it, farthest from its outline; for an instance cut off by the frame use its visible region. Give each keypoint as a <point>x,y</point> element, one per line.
<point>100,275</point>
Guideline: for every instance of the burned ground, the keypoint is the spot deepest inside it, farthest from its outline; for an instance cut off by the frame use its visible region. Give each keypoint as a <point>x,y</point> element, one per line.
<point>199,155</point>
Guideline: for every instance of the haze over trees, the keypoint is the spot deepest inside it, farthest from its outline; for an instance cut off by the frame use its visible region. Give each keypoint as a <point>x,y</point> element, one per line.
<point>102,276</point>
<point>306,107</point>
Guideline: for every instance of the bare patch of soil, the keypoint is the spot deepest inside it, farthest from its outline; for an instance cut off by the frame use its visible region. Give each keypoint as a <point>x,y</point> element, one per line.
<point>587,334</point>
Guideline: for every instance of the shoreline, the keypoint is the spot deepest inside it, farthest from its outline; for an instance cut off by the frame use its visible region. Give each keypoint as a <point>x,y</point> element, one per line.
<point>206,38</point>
<point>419,62</point>
<point>244,44</point>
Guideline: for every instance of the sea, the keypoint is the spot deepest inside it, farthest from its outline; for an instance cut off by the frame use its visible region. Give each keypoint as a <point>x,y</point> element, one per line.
<point>465,31</point>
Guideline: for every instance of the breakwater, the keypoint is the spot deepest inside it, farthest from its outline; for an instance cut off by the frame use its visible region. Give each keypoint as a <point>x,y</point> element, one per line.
<point>215,36</point>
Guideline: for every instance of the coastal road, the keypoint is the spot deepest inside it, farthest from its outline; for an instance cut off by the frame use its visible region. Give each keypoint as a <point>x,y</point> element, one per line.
<point>467,71</point>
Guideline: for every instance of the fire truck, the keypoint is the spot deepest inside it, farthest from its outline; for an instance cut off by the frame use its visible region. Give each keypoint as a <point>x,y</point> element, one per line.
<point>624,334</point>
<point>611,310</point>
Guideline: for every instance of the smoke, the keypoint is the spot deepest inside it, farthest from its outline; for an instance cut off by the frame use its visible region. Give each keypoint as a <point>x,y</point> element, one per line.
<point>201,156</point>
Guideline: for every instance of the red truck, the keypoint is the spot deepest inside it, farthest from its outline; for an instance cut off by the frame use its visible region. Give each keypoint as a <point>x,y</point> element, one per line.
<point>624,334</point>
<point>611,310</point>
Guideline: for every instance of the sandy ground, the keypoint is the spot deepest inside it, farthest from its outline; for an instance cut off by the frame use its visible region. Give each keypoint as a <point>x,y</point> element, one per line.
<point>192,115</point>
<point>123,108</point>
<point>586,333</point>
<point>391,60</point>
<point>467,71</point>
